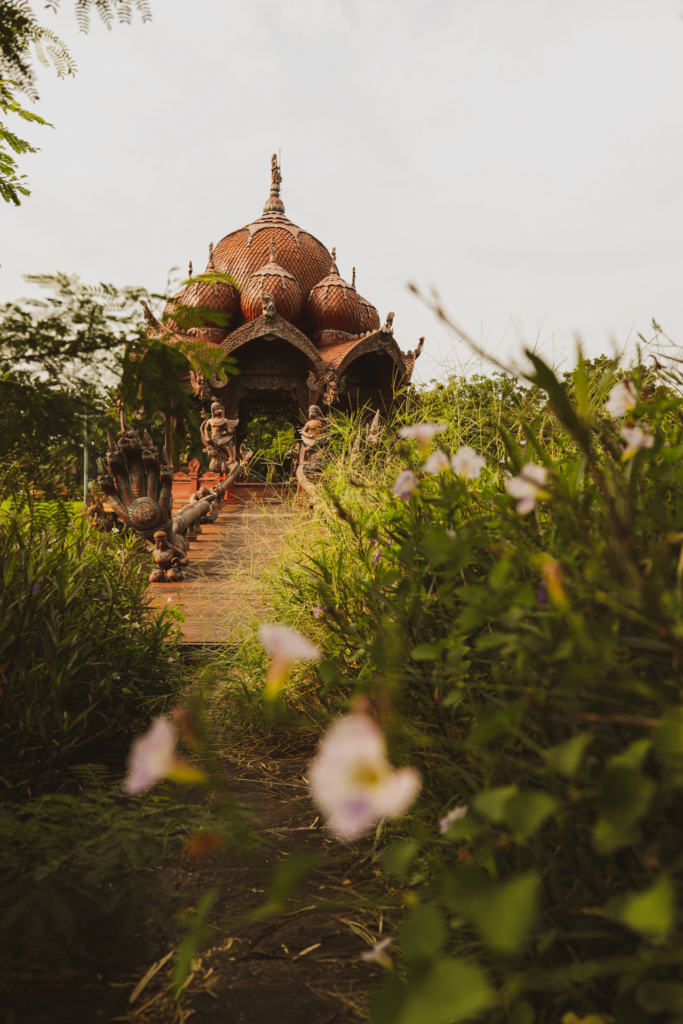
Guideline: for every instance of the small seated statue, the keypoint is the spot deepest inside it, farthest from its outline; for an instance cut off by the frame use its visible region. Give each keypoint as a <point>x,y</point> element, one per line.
<point>169,559</point>
<point>218,434</point>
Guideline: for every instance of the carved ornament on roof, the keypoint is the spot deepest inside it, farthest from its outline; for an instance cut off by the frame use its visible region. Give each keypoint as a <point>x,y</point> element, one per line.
<point>272,325</point>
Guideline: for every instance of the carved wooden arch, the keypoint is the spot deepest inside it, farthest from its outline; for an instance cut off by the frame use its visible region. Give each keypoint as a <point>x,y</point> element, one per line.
<point>281,328</point>
<point>378,342</point>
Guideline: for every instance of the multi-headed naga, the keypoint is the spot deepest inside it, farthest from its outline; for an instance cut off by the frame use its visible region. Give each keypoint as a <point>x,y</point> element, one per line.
<point>138,482</point>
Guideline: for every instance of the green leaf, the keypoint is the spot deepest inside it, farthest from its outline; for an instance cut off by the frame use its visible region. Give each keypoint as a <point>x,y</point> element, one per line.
<point>526,811</point>
<point>661,997</point>
<point>668,739</point>
<point>625,797</point>
<point>427,652</point>
<point>423,933</point>
<point>288,874</point>
<point>505,912</point>
<point>650,912</point>
<point>449,992</point>
<point>492,802</point>
<point>566,758</point>
<point>398,857</point>
<point>546,379</point>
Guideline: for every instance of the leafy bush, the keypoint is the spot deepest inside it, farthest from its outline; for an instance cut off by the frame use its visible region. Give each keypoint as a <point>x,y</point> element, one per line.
<point>531,666</point>
<point>83,656</point>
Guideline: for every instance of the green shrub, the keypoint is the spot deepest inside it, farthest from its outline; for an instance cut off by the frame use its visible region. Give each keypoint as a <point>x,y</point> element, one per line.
<point>530,665</point>
<point>83,656</point>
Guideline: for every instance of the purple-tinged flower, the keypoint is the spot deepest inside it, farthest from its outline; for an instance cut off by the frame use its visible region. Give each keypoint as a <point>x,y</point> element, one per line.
<point>406,485</point>
<point>35,588</point>
<point>622,398</point>
<point>451,817</point>
<point>317,611</point>
<point>285,647</point>
<point>452,534</point>
<point>636,438</point>
<point>352,781</point>
<point>542,592</point>
<point>423,433</point>
<point>437,462</point>
<point>467,463</point>
<point>377,555</point>
<point>528,486</point>
<point>378,953</point>
<point>389,542</point>
<point>152,758</point>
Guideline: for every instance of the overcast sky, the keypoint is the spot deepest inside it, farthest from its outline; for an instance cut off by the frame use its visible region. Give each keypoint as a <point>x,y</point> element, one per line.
<point>525,157</point>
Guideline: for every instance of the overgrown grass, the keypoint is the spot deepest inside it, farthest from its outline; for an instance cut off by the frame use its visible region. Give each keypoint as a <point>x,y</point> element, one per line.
<point>530,666</point>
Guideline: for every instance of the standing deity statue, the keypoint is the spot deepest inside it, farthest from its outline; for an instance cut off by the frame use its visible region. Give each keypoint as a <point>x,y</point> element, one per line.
<point>218,434</point>
<point>308,455</point>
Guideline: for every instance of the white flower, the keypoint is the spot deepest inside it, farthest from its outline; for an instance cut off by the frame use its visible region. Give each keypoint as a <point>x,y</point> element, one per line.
<point>406,485</point>
<point>467,463</point>
<point>455,815</point>
<point>171,660</point>
<point>452,534</point>
<point>622,398</point>
<point>436,463</point>
<point>378,953</point>
<point>423,433</point>
<point>352,781</point>
<point>151,756</point>
<point>285,647</point>
<point>528,486</point>
<point>168,600</point>
<point>636,438</point>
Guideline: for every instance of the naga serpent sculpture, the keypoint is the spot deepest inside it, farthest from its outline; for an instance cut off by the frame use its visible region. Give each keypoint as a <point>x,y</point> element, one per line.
<point>138,482</point>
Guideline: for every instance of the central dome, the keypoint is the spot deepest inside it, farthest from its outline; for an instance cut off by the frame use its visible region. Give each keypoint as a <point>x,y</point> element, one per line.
<point>243,252</point>
<point>272,279</point>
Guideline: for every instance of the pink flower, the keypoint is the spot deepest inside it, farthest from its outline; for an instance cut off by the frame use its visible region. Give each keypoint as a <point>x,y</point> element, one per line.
<point>377,555</point>
<point>406,485</point>
<point>423,433</point>
<point>467,463</point>
<point>636,438</point>
<point>528,486</point>
<point>285,647</point>
<point>317,611</point>
<point>352,781</point>
<point>448,819</point>
<point>153,757</point>
<point>437,462</point>
<point>622,398</point>
<point>378,953</point>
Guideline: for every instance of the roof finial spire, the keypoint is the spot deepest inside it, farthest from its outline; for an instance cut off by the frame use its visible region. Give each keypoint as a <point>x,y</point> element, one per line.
<point>189,272</point>
<point>353,279</point>
<point>211,263</point>
<point>333,267</point>
<point>274,204</point>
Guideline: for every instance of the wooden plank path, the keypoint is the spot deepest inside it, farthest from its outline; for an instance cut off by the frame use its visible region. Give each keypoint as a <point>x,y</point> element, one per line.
<point>221,593</point>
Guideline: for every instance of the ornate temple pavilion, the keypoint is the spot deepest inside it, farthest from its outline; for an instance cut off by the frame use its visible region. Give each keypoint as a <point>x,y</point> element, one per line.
<point>300,334</point>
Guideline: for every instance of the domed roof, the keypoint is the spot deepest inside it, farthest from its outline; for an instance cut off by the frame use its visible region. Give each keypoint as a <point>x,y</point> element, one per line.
<point>272,279</point>
<point>246,250</point>
<point>333,306</point>
<point>371,320</point>
<point>208,295</point>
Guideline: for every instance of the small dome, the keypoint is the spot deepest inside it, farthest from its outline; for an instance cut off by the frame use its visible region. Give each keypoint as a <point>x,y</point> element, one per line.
<point>207,295</point>
<point>272,279</point>
<point>333,307</point>
<point>371,320</point>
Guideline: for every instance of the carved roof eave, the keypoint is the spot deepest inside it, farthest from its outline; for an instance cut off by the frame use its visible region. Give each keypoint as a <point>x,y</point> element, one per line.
<point>281,328</point>
<point>377,341</point>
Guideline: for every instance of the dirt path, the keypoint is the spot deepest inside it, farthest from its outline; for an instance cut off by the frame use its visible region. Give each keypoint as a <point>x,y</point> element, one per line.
<point>301,968</point>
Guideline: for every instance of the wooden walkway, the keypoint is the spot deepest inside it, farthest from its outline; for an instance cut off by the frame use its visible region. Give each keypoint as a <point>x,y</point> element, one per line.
<point>222,592</point>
